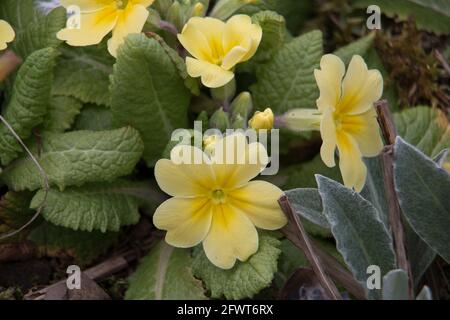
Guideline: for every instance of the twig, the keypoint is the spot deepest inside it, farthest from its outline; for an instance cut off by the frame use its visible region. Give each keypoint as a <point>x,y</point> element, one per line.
<point>395,216</point>
<point>307,247</point>
<point>442,60</point>
<point>166,25</point>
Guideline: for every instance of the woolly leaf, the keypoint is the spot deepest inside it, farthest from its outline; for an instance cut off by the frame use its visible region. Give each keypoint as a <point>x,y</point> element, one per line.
<point>61,113</point>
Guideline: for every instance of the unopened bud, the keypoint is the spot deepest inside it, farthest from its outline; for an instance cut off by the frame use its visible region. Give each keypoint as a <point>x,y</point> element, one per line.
<point>301,120</point>
<point>241,106</point>
<point>220,120</point>
<point>198,10</point>
<point>262,120</point>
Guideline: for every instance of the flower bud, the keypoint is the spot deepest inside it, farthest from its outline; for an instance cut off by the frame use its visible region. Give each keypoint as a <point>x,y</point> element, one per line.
<point>239,122</point>
<point>175,15</point>
<point>241,106</point>
<point>301,120</point>
<point>262,120</point>
<point>226,8</point>
<point>220,120</point>
<point>225,93</point>
<point>198,10</point>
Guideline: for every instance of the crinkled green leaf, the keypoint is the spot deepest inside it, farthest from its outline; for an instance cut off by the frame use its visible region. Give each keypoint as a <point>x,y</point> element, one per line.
<point>61,113</point>
<point>28,103</point>
<point>426,128</point>
<point>83,73</point>
<point>34,29</point>
<point>423,192</point>
<point>165,274</point>
<point>273,26</point>
<point>395,285</point>
<point>359,47</point>
<point>287,81</point>
<point>361,237</point>
<point>245,279</point>
<point>95,206</point>
<point>94,117</point>
<point>430,15</point>
<point>74,158</point>
<point>308,203</point>
<point>83,246</point>
<point>156,101</point>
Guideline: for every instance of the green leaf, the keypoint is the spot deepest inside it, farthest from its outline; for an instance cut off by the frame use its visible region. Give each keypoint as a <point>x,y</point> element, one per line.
<point>359,47</point>
<point>395,285</point>
<point>430,15</point>
<point>29,100</point>
<point>83,246</point>
<point>96,206</point>
<point>245,279</point>
<point>287,81</point>
<point>94,117</point>
<point>426,128</point>
<point>361,237</point>
<point>74,158</point>
<point>84,74</point>
<point>308,203</point>
<point>14,213</point>
<point>155,103</point>
<point>273,26</point>
<point>61,113</point>
<point>422,188</point>
<point>302,175</point>
<point>34,29</point>
<point>165,274</point>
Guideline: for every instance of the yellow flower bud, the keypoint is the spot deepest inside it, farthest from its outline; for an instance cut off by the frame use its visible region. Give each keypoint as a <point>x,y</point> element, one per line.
<point>262,120</point>
<point>198,10</point>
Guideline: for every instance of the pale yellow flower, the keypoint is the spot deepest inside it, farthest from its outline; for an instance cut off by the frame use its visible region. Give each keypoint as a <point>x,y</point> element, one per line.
<point>262,120</point>
<point>100,17</point>
<point>349,120</point>
<point>217,47</point>
<point>6,34</point>
<point>214,203</point>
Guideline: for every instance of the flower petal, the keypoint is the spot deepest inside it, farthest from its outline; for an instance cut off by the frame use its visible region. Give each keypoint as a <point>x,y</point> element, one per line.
<point>145,3</point>
<point>259,201</point>
<point>6,34</point>
<point>241,32</point>
<point>365,130</point>
<point>329,81</point>
<point>352,167</point>
<point>235,161</point>
<point>328,133</point>
<point>185,179</point>
<point>234,57</point>
<point>360,88</point>
<point>131,20</point>
<point>212,75</point>
<point>94,27</point>
<point>231,236</point>
<point>187,221</point>
<point>195,42</point>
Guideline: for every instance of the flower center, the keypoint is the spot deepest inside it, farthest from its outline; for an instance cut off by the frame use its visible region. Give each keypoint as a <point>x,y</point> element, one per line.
<point>337,121</point>
<point>218,196</point>
<point>121,4</point>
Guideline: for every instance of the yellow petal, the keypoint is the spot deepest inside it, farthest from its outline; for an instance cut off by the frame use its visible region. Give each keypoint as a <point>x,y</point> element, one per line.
<point>328,133</point>
<point>6,34</point>
<point>93,27</point>
<point>185,179</point>
<point>231,236</point>
<point>365,130</point>
<point>87,5</point>
<point>236,161</point>
<point>131,20</point>
<point>352,167</point>
<point>212,76</point>
<point>360,88</point>
<point>241,32</point>
<point>329,81</point>
<point>187,221</point>
<point>259,201</point>
<point>195,42</point>
<point>212,29</point>
<point>233,57</point>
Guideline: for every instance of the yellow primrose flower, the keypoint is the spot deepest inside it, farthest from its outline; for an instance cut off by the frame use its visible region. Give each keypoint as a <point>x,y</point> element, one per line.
<point>262,120</point>
<point>6,34</point>
<point>214,202</point>
<point>217,47</point>
<point>100,17</point>
<point>349,120</point>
